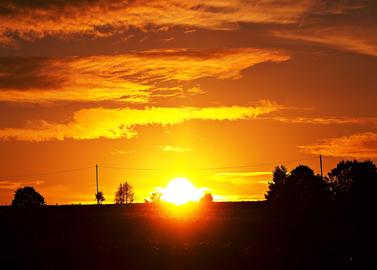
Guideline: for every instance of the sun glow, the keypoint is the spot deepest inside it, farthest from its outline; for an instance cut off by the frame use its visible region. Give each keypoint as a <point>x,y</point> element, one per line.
<point>180,191</point>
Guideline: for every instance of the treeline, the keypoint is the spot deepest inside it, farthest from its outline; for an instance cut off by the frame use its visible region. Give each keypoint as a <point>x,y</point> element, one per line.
<point>349,183</point>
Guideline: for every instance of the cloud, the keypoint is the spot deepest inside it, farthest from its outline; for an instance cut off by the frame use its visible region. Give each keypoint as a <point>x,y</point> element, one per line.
<point>243,178</point>
<point>15,184</point>
<point>135,77</point>
<point>343,25</point>
<point>324,120</point>
<point>361,39</point>
<point>101,18</point>
<point>360,145</point>
<point>173,148</point>
<point>122,152</point>
<point>238,197</point>
<point>118,123</point>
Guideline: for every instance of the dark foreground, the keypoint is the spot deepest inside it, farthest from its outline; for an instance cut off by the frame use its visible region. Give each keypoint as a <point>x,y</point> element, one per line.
<point>213,236</point>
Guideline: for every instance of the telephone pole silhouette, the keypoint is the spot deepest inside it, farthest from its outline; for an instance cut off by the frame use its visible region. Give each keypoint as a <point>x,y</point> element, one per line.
<point>320,164</point>
<point>97,183</point>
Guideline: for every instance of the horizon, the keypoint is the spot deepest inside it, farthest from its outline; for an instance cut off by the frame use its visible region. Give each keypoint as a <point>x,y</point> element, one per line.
<point>266,178</point>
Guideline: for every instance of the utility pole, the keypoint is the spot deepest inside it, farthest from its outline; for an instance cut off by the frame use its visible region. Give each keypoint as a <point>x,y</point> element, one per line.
<point>97,183</point>
<point>320,164</point>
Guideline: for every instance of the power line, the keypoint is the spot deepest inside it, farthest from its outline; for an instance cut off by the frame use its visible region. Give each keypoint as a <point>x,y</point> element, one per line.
<point>45,173</point>
<point>211,168</point>
<point>4,177</point>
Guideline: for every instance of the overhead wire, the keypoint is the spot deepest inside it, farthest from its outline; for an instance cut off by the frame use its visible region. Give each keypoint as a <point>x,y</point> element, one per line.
<point>6,177</point>
<point>210,168</point>
<point>45,173</point>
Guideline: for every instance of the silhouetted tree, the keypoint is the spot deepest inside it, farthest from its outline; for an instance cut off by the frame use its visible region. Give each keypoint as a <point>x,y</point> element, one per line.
<point>207,197</point>
<point>354,182</point>
<point>155,197</point>
<point>277,185</point>
<point>299,188</point>
<point>124,194</point>
<point>100,198</point>
<point>27,196</point>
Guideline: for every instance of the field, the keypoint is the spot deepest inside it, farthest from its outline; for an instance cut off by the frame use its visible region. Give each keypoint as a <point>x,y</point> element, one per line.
<point>197,236</point>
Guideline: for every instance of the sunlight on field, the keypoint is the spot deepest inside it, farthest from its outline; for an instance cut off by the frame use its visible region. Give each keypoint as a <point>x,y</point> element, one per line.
<point>180,191</point>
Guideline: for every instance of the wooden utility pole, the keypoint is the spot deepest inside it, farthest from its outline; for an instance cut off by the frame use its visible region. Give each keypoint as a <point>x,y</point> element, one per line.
<point>320,164</point>
<point>97,183</point>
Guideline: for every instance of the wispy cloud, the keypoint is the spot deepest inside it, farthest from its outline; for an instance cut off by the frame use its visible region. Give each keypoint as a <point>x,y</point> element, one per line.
<point>134,77</point>
<point>243,177</point>
<point>16,184</point>
<point>118,123</point>
<point>36,19</point>
<point>360,39</point>
<point>238,197</point>
<point>360,145</point>
<point>173,148</point>
<point>324,120</point>
<point>122,152</point>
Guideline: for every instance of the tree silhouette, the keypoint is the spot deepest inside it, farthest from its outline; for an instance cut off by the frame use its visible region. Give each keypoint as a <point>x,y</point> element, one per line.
<point>207,197</point>
<point>100,198</point>
<point>301,187</point>
<point>155,197</point>
<point>124,193</point>
<point>277,185</point>
<point>354,182</point>
<point>27,196</point>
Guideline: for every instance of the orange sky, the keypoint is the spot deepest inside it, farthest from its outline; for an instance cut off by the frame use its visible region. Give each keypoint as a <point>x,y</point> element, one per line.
<point>218,92</point>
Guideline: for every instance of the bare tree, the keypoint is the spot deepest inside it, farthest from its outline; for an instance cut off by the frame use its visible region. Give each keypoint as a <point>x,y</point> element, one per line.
<point>100,198</point>
<point>124,194</point>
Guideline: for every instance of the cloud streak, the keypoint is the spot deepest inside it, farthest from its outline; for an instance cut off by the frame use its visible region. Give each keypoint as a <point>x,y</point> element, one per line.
<point>243,178</point>
<point>360,145</point>
<point>101,18</point>
<point>135,77</point>
<point>5,184</point>
<point>119,123</point>
<point>349,38</point>
<point>370,121</point>
<point>173,148</point>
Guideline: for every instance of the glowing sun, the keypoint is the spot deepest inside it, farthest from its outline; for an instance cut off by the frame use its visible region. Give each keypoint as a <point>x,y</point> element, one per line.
<point>180,191</point>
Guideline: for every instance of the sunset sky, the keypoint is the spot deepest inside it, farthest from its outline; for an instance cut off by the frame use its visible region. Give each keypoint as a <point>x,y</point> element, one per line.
<point>218,92</point>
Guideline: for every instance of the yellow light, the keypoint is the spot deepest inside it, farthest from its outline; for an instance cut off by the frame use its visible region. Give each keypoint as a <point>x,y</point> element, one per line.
<point>180,191</point>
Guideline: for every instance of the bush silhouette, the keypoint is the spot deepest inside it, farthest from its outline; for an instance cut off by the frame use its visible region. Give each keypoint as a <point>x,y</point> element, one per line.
<point>27,196</point>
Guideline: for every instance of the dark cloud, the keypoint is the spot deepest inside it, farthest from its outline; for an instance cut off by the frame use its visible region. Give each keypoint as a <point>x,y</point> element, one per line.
<point>27,73</point>
<point>134,77</point>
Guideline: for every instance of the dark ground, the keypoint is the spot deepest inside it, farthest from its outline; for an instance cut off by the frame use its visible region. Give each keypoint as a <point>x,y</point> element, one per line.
<point>212,236</point>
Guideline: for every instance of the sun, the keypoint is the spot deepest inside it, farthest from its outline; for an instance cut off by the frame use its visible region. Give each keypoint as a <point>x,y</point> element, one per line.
<point>180,191</point>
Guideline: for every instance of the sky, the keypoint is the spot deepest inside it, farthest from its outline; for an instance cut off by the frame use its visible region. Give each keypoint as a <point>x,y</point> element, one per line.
<point>218,92</point>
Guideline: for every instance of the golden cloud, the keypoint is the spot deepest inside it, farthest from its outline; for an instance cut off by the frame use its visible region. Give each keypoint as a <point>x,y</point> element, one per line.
<point>244,178</point>
<point>118,123</point>
<point>173,148</point>
<point>101,18</point>
<point>360,145</point>
<point>134,77</point>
